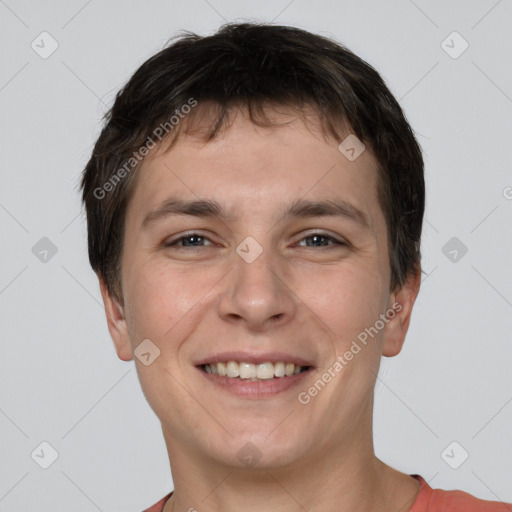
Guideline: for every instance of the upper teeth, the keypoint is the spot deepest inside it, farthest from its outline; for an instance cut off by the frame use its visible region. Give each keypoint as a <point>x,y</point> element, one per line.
<point>253,371</point>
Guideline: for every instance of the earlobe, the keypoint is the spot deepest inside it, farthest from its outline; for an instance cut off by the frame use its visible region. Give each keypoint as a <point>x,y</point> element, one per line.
<point>116,323</point>
<point>402,302</point>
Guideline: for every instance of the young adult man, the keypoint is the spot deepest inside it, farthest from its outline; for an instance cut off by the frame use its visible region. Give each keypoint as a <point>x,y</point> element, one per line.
<point>254,206</point>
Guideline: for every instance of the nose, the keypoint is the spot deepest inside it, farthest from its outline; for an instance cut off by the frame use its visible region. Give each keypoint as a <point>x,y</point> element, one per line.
<point>257,293</point>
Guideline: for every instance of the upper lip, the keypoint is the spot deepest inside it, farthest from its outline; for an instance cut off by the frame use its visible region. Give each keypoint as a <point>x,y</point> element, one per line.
<point>253,358</point>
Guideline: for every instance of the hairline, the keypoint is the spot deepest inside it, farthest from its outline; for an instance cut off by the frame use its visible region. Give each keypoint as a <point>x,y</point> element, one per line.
<point>221,125</point>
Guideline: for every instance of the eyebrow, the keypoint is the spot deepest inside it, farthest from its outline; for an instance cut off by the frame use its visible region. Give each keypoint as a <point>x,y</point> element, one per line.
<point>301,208</point>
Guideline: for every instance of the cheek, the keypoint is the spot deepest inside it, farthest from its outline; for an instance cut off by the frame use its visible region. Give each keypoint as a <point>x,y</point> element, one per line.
<point>158,299</point>
<point>346,300</point>
<point>149,309</point>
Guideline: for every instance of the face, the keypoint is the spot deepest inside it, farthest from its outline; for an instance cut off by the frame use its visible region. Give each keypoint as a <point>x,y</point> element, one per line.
<point>256,273</point>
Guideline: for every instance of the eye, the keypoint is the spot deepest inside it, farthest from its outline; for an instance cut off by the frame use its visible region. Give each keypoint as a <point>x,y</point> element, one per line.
<point>190,240</point>
<point>318,239</point>
<point>194,240</point>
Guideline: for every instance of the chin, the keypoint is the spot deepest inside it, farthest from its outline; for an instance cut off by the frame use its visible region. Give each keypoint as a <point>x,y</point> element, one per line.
<point>260,448</point>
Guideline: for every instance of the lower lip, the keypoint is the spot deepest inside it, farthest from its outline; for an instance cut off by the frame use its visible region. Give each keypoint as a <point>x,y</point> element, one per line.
<point>255,389</point>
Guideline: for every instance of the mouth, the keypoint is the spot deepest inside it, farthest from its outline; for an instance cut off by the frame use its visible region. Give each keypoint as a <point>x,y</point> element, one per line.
<point>254,372</point>
<point>254,376</point>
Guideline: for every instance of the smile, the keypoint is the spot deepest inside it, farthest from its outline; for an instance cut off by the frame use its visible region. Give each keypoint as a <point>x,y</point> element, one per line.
<point>257,380</point>
<point>254,372</point>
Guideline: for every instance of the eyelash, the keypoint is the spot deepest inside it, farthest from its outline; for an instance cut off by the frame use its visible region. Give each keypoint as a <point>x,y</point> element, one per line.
<point>174,243</point>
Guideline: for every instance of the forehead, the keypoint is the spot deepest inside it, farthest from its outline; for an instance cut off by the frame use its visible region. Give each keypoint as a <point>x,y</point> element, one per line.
<point>250,168</point>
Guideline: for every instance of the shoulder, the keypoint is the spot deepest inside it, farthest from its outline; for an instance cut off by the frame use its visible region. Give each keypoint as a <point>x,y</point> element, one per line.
<point>439,500</point>
<point>452,501</point>
<point>159,506</point>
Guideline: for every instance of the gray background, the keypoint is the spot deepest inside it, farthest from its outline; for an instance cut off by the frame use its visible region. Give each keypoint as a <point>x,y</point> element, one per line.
<point>61,380</point>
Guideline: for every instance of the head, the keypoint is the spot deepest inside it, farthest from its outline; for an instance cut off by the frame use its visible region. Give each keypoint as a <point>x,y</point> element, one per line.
<point>257,192</point>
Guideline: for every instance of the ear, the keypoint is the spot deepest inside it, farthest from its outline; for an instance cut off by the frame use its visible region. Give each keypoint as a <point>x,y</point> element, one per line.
<point>401,302</point>
<point>116,324</point>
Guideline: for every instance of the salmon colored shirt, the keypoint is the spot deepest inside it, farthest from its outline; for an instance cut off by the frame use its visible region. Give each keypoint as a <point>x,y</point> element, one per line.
<point>428,500</point>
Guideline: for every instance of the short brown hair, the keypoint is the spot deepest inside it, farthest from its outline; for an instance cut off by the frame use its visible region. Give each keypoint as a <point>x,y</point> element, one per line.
<point>253,65</point>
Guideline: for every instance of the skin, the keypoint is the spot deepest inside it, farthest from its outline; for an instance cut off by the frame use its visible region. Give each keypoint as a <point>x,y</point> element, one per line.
<point>311,301</point>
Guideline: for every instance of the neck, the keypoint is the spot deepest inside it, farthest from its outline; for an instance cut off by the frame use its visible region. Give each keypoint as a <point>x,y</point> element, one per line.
<point>344,479</point>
